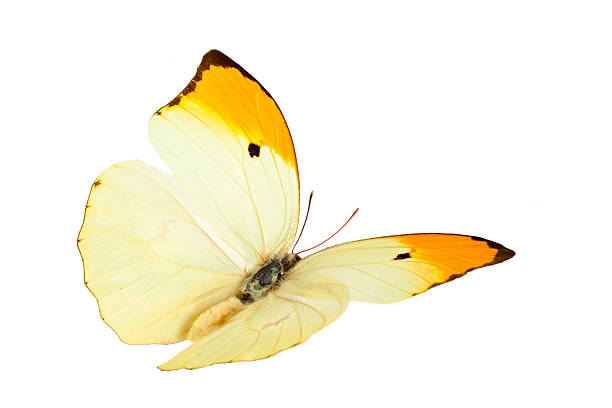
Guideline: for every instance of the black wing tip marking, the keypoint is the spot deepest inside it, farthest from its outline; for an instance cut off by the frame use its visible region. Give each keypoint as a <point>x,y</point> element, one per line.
<point>503,253</point>
<point>218,59</point>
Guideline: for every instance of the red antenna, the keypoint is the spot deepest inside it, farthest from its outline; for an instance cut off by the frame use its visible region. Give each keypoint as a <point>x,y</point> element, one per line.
<point>305,219</point>
<point>333,235</point>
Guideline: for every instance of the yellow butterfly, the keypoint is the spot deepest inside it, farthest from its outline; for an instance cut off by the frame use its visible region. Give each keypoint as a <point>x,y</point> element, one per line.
<point>204,254</point>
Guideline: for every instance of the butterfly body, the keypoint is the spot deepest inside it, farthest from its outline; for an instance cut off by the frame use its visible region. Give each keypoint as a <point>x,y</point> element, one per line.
<point>255,287</point>
<point>204,254</point>
<point>266,278</point>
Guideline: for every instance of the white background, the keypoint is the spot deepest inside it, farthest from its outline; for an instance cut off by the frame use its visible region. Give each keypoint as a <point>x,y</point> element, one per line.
<point>476,117</point>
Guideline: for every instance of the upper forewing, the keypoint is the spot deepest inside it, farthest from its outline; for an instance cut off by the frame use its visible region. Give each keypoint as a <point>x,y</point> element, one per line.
<point>226,140</point>
<point>389,269</point>
<point>151,267</point>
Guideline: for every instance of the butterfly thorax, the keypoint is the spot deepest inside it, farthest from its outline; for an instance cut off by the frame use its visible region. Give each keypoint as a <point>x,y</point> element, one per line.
<point>266,278</point>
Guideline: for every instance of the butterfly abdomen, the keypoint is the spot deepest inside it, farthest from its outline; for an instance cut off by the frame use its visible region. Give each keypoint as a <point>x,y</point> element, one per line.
<point>214,317</point>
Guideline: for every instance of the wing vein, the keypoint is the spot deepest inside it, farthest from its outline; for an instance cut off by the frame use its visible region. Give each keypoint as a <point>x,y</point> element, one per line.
<point>228,224</point>
<point>203,151</point>
<point>382,280</point>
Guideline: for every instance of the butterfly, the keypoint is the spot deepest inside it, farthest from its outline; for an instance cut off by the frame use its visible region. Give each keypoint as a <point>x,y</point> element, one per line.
<point>205,254</point>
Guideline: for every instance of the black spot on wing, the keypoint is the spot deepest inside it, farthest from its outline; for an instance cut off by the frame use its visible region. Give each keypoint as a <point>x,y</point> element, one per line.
<point>405,255</point>
<point>254,150</point>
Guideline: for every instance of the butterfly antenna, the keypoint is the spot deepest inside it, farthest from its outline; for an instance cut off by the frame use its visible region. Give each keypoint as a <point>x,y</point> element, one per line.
<point>333,235</point>
<point>305,219</point>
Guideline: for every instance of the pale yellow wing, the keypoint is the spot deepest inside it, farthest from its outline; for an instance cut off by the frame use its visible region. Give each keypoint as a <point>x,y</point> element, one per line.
<point>226,140</point>
<point>284,318</point>
<point>390,269</point>
<point>147,261</point>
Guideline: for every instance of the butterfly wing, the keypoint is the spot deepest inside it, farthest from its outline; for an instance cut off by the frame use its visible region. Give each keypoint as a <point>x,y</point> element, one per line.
<point>390,269</point>
<point>284,318</point>
<point>226,140</point>
<point>147,261</point>
<point>317,290</point>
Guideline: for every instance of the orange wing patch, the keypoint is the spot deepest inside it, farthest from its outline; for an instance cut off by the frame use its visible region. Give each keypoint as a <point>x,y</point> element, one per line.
<point>453,255</point>
<point>224,91</point>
